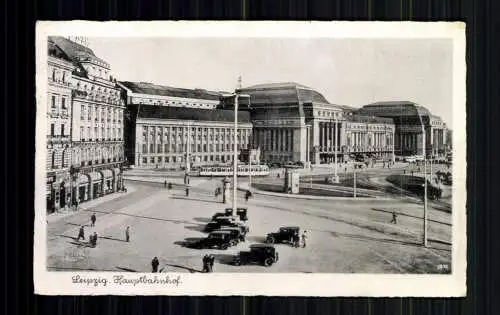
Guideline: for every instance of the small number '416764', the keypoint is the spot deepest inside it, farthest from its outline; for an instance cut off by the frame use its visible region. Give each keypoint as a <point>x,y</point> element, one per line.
<point>443,267</point>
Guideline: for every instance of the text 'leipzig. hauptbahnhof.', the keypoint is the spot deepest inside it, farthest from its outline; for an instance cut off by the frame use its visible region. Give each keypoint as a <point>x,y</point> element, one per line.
<point>98,124</point>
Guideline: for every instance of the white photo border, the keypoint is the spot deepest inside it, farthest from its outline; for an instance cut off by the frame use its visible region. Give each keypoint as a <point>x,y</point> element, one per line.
<point>383,285</point>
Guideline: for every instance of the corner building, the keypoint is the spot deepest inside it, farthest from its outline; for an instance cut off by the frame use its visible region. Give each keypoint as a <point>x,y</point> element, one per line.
<point>58,115</point>
<point>169,127</point>
<point>96,124</point>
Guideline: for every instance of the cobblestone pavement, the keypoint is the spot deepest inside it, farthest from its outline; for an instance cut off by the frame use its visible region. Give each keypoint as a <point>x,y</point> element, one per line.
<point>344,236</point>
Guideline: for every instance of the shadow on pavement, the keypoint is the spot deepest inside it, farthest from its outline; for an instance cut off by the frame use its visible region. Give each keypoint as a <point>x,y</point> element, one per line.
<point>195,199</point>
<point>112,239</point>
<point>75,224</point>
<point>145,217</point>
<point>409,215</point>
<point>224,259</point>
<point>188,241</point>
<point>126,269</point>
<point>191,270</point>
<point>198,228</point>
<point>382,240</point>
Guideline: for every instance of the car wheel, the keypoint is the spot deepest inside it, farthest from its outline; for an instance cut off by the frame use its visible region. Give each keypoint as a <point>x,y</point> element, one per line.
<point>270,240</point>
<point>268,262</point>
<point>233,243</point>
<point>224,246</point>
<point>237,262</point>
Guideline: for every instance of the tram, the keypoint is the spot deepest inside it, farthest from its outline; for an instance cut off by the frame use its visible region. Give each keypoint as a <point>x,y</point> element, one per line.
<point>243,170</point>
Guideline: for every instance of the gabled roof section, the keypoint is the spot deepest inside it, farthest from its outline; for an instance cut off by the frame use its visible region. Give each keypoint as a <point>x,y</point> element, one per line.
<point>78,53</point>
<point>153,89</point>
<point>189,113</point>
<point>56,52</point>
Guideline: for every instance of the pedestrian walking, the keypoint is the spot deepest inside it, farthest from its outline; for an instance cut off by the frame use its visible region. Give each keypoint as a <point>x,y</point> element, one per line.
<point>127,234</point>
<point>304,238</point>
<point>154,264</point>
<point>81,233</point>
<point>165,184</point>
<point>93,218</point>
<point>394,218</point>
<point>187,192</point>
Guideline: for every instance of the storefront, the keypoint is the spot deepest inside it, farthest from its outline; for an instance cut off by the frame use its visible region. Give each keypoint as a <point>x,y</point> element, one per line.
<point>95,185</point>
<point>107,183</point>
<point>82,188</point>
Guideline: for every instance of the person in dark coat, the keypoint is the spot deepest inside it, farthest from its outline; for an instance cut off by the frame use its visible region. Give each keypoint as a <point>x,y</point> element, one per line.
<point>154,264</point>
<point>165,184</point>
<point>205,261</point>
<point>93,218</point>
<point>81,233</point>
<point>394,218</point>
<point>93,239</point>
<point>187,192</point>
<point>211,260</point>
<point>127,234</point>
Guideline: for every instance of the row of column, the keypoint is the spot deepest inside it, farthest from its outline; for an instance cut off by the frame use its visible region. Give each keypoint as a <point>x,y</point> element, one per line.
<point>328,136</point>
<point>274,139</point>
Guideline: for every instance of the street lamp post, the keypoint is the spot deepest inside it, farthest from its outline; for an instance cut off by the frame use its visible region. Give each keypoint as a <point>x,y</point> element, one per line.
<point>425,243</point>
<point>236,96</point>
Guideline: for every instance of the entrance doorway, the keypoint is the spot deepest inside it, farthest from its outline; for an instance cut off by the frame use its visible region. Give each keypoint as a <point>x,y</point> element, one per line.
<point>62,196</point>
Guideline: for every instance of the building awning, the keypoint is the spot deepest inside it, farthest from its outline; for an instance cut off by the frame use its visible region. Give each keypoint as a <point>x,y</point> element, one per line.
<point>83,179</point>
<point>107,173</point>
<point>95,176</point>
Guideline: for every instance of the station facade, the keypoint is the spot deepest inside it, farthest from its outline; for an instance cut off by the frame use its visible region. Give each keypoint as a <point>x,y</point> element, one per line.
<point>294,123</point>
<point>418,132</point>
<point>85,115</point>
<point>180,127</point>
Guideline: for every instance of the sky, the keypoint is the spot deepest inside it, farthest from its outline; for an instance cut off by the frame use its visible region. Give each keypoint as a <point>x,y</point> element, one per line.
<point>350,72</point>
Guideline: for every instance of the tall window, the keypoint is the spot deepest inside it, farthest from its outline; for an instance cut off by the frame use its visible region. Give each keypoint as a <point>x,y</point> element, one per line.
<point>81,133</point>
<point>53,75</point>
<point>63,103</point>
<point>102,132</point>
<point>53,101</point>
<point>53,162</point>
<point>64,77</point>
<point>62,130</point>
<point>82,112</point>
<point>52,129</point>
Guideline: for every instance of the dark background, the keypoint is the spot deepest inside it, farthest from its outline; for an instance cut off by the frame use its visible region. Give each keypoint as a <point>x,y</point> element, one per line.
<point>483,29</point>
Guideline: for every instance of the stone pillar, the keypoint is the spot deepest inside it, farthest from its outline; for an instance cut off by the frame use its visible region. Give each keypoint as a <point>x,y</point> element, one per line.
<point>315,140</point>
<point>299,144</point>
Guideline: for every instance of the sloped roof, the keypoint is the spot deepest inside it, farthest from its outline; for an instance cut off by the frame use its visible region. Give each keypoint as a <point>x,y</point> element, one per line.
<point>283,93</point>
<point>189,113</point>
<point>393,109</point>
<point>55,51</point>
<point>78,53</point>
<point>153,89</point>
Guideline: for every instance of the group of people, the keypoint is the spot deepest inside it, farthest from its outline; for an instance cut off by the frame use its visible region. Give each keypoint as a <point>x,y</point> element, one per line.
<point>93,237</point>
<point>296,239</point>
<point>208,263</point>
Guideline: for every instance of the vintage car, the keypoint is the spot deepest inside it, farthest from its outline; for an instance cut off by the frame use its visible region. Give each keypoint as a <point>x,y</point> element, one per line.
<point>216,239</point>
<point>236,235</point>
<point>284,235</point>
<point>240,212</point>
<point>264,254</point>
<point>219,222</point>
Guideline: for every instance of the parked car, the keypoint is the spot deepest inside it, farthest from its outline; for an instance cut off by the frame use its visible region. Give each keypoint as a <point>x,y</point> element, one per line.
<point>283,235</point>
<point>216,239</point>
<point>219,222</point>
<point>264,254</point>
<point>236,235</point>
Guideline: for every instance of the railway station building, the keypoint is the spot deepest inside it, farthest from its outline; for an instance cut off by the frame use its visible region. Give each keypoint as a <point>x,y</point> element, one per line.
<point>167,127</point>
<point>294,123</point>
<point>416,128</point>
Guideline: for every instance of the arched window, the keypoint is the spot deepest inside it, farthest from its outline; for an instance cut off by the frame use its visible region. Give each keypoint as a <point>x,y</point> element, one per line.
<point>53,74</point>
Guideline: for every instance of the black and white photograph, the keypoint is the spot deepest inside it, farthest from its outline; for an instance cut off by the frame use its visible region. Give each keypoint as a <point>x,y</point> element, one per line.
<point>222,158</point>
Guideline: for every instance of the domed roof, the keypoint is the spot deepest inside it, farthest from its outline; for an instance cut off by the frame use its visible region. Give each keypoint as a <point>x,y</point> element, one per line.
<point>282,93</point>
